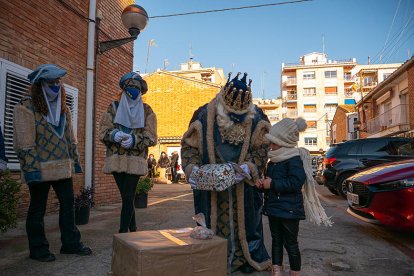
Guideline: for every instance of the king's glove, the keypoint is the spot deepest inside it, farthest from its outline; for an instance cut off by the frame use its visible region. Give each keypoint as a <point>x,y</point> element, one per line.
<point>193,179</point>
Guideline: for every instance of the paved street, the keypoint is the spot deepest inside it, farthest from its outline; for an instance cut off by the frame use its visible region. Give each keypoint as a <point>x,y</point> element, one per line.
<point>350,247</point>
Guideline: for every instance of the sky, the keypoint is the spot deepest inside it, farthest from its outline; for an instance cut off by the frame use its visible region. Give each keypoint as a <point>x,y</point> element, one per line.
<point>258,41</point>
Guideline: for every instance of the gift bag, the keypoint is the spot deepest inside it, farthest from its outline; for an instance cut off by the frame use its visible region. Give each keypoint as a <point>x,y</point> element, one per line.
<point>214,177</point>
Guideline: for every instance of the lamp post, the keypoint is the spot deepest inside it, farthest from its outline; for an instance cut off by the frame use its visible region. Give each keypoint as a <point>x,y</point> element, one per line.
<point>135,19</point>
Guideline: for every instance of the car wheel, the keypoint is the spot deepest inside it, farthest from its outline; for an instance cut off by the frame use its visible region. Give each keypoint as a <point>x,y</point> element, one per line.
<point>333,190</point>
<point>340,184</point>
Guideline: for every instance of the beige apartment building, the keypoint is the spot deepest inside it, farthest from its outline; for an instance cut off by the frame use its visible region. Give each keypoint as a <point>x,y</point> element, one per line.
<point>195,70</point>
<point>271,107</point>
<point>314,87</point>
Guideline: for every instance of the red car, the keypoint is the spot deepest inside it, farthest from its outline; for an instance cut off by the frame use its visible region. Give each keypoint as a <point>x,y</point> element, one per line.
<point>384,195</point>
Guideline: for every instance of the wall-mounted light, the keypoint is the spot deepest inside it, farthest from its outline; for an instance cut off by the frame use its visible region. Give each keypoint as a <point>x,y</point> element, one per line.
<point>134,18</point>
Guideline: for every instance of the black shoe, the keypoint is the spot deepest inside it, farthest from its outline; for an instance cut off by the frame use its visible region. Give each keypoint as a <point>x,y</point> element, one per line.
<point>81,251</point>
<point>48,257</point>
<point>247,269</point>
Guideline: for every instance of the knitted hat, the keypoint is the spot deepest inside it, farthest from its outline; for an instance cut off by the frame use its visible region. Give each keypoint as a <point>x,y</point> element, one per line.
<point>135,80</point>
<point>46,72</point>
<point>237,95</point>
<point>285,133</point>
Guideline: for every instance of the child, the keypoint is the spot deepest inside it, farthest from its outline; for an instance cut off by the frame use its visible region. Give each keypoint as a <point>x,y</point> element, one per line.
<point>288,170</point>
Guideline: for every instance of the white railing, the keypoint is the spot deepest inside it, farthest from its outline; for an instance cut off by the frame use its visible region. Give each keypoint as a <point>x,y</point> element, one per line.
<point>290,81</point>
<point>292,113</point>
<point>396,116</point>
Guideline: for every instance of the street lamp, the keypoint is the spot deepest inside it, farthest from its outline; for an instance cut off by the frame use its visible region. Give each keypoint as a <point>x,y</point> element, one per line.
<point>135,19</point>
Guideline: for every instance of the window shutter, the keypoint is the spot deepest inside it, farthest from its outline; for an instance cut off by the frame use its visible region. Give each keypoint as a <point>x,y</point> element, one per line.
<point>16,89</point>
<point>13,87</point>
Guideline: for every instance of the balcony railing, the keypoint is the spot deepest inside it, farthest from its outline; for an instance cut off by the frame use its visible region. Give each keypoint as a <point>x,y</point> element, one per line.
<point>292,113</point>
<point>290,81</point>
<point>292,96</point>
<point>396,116</point>
<point>310,110</point>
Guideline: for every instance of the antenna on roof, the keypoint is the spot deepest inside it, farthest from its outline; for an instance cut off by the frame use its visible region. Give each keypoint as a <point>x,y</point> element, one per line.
<point>323,44</point>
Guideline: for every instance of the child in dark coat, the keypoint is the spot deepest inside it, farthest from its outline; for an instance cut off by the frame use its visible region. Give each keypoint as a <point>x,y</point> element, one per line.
<point>287,172</point>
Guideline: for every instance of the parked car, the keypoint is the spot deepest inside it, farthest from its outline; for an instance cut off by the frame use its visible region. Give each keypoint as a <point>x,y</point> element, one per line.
<point>345,159</point>
<point>384,195</point>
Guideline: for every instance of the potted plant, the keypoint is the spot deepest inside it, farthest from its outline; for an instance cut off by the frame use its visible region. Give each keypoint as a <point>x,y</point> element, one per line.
<point>83,203</point>
<point>145,184</point>
<point>9,188</point>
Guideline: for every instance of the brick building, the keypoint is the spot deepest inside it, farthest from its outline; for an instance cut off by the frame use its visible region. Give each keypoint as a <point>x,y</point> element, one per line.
<point>387,110</point>
<point>342,127</point>
<point>56,31</point>
<point>174,98</point>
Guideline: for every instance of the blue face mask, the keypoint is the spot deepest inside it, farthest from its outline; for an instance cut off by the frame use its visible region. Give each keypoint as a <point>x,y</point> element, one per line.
<point>55,88</point>
<point>132,92</point>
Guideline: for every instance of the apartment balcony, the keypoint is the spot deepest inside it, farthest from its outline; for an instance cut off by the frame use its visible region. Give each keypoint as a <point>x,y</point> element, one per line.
<point>292,113</point>
<point>349,93</point>
<point>291,96</point>
<point>290,82</point>
<point>273,118</point>
<point>391,122</point>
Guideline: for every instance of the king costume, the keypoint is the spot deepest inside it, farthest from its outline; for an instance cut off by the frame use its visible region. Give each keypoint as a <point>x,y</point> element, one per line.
<point>230,128</point>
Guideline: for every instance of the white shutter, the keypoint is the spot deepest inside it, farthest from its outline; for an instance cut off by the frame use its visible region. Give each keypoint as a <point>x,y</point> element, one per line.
<point>13,87</point>
<point>72,103</point>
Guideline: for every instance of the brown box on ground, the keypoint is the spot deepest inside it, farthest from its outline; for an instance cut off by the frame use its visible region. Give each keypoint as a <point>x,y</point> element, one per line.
<point>167,252</point>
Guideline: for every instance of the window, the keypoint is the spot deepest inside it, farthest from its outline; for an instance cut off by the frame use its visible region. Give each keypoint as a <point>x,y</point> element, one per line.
<point>309,107</point>
<point>331,90</point>
<point>312,124</point>
<point>378,147</point>
<point>330,74</point>
<point>310,91</point>
<point>347,76</point>
<point>353,149</point>
<point>13,87</point>
<point>386,75</point>
<point>331,107</point>
<point>309,75</point>
<point>368,81</point>
<point>311,141</point>
<point>403,148</point>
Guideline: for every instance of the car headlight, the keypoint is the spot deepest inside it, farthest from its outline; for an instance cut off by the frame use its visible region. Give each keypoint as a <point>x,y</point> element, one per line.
<point>396,185</point>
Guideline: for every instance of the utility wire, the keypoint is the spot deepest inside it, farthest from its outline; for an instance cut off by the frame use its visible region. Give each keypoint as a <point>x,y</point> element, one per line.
<point>231,9</point>
<point>392,24</point>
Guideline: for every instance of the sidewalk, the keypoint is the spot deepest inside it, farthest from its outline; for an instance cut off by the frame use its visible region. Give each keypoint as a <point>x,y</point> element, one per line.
<point>103,223</point>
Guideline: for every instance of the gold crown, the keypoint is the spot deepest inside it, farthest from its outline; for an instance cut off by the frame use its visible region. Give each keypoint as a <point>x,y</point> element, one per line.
<point>237,94</point>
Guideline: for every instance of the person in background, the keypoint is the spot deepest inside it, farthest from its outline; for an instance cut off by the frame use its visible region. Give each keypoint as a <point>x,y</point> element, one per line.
<point>163,165</point>
<point>174,166</point>
<point>152,163</point>
<point>127,129</point>
<point>45,143</point>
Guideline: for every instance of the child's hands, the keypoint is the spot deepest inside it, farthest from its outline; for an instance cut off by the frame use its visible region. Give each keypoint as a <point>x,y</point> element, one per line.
<point>266,183</point>
<point>259,184</point>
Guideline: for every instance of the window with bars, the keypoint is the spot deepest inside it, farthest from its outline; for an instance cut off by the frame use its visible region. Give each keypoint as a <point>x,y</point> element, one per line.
<point>330,74</point>
<point>309,91</point>
<point>309,75</point>
<point>311,141</point>
<point>13,87</point>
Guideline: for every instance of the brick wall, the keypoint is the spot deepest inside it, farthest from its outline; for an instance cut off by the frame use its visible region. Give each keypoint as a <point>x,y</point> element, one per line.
<point>46,31</point>
<point>340,121</point>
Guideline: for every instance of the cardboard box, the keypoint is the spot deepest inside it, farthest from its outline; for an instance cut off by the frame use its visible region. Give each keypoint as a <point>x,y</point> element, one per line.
<point>168,252</point>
